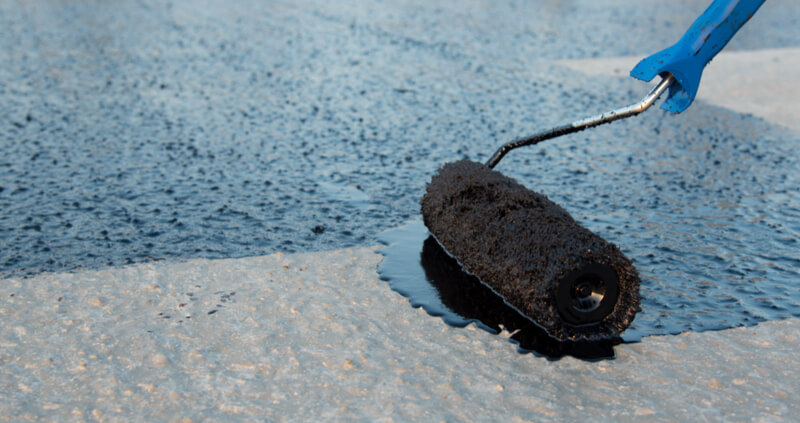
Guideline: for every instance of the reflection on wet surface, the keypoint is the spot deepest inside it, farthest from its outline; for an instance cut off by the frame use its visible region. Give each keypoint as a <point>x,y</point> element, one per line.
<point>416,268</point>
<point>431,279</point>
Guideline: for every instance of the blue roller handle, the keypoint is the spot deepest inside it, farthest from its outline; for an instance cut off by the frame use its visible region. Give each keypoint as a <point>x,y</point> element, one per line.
<point>686,59</point>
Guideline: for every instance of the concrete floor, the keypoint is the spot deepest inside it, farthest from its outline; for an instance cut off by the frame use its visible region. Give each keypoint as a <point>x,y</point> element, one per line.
<point>215,137</point>
<point>318,336</point>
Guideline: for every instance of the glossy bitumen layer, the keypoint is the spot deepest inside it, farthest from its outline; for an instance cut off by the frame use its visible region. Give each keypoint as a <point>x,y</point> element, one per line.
<point>144,131</point>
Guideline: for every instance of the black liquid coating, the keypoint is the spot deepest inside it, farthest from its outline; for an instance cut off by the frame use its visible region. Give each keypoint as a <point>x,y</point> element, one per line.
<point>524,247</point>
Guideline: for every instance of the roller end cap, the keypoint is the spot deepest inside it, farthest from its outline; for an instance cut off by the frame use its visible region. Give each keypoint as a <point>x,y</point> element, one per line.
<point>586,296</point>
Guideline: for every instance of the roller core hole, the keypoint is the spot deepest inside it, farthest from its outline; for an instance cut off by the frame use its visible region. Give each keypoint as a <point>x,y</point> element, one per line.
<point>588,295</point>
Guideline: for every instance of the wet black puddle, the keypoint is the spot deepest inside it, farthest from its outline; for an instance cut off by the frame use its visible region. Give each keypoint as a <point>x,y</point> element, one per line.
<point>416,266</point>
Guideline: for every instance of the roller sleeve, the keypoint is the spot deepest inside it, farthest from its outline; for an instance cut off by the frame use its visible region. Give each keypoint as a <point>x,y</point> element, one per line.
<point>529,250</point>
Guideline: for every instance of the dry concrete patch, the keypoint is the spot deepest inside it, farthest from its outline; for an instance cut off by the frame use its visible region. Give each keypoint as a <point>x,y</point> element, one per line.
<point>317,336</point>
<point>759,82</point>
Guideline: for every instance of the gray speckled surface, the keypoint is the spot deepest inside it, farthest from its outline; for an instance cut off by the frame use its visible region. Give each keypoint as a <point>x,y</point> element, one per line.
<point>317,336</point>
<point>195,130</point>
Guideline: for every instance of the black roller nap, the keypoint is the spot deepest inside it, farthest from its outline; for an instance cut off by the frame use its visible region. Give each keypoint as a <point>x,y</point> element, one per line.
<point>571,282</point>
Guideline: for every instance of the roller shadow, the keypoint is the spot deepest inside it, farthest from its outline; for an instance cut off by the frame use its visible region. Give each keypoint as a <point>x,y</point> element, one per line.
<point>464,295</point>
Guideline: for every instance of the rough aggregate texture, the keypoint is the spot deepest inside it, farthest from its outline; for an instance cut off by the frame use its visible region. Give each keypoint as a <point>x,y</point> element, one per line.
<point>137,129</point>
<point>522,245</point>
<point>317,336</point>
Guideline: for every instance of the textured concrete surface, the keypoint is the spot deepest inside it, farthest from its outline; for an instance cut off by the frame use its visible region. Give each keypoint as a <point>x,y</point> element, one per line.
<point>195,130</point>
<point>315,336</point>
<point>759,82</point>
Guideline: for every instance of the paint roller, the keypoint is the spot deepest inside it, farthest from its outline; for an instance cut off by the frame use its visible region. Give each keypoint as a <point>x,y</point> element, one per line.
<point>529,250</point>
